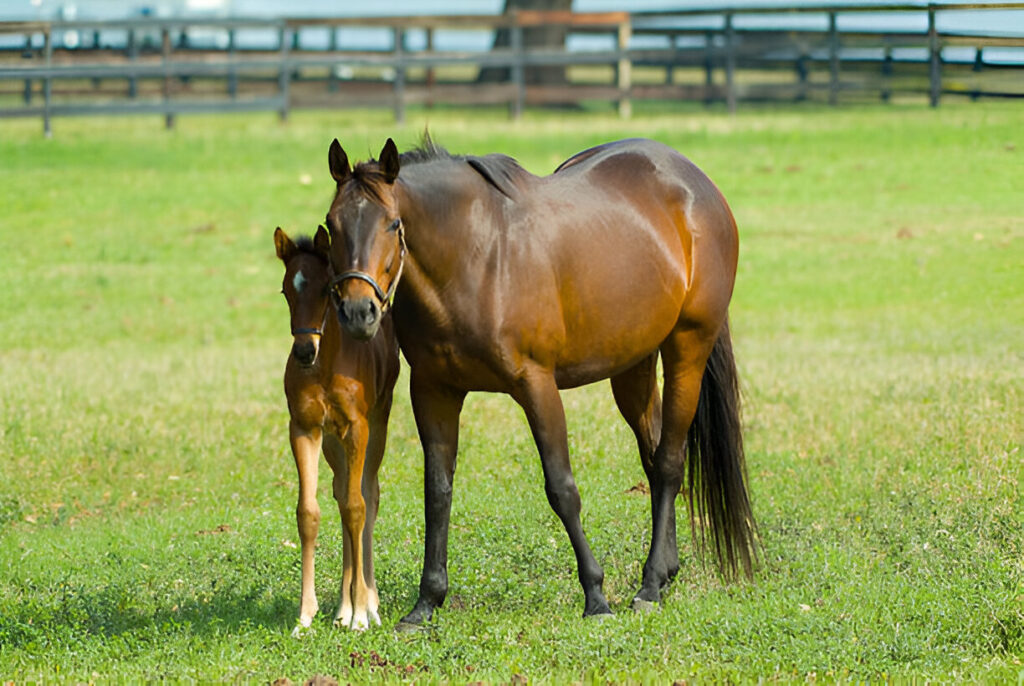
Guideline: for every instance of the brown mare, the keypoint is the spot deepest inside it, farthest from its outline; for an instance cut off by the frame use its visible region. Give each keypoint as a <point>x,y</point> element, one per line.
<point>339,395</point>
<point>524,285</point>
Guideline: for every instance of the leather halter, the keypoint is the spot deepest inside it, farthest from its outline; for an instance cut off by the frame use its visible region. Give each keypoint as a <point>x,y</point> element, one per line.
<point>316,331</point>
<point>385,297</point>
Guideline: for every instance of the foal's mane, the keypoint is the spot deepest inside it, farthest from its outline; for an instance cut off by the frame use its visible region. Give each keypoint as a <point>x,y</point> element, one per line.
<point>305,245</point>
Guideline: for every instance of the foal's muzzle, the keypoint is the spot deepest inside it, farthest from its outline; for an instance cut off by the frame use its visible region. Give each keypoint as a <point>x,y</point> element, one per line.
<point>305,351</point>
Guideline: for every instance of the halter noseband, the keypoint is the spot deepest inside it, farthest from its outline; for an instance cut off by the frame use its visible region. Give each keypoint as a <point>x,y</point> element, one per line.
<point>385,298</point>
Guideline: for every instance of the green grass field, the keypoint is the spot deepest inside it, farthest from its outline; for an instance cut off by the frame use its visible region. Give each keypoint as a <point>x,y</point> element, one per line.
<point>147,490</point>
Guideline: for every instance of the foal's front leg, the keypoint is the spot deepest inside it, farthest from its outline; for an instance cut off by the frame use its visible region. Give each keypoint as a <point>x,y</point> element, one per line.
<point>306,449</point>
<point>348,491</point>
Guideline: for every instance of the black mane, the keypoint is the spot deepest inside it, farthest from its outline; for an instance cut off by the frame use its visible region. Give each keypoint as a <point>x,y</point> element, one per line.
<point>304,244</point>
<point>427,151</point>
<point>502,172</point>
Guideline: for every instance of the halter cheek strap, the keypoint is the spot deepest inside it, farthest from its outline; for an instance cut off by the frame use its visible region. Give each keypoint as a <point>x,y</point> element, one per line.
<point>387,297</point>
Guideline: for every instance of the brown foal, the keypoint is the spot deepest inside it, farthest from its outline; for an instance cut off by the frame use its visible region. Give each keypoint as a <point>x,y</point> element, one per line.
<point>339,392</point>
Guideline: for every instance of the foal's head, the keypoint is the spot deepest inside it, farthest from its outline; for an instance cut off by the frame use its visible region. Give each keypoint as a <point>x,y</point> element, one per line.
<point>367,244</point>
<point>306,280</point>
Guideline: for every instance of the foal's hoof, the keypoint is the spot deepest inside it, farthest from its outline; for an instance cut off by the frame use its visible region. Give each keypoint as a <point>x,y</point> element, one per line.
<point>301,630</point>
<point>644,606</point>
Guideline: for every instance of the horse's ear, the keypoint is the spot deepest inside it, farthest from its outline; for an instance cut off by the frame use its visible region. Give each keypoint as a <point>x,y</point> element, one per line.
<point>322,241</point>
<point>284,245</point>
<point>338,160</point>
<point>389,161</point>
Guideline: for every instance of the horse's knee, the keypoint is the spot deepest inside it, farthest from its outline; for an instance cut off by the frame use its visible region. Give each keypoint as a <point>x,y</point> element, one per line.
<point>563,496</point>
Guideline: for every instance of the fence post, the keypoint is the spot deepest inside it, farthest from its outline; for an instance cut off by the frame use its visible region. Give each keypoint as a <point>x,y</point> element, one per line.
<point>979,65</point>
<point>165,57</point>
<point>709,67</point>
<point>399,34</point>
<point>28,55</point>
<point>887,74</point>
<point>430,76</point>
<point>518,71</point>
<point>730,64</point>
<point>625,70</point>
<point>233,74</point>
<point>48,81</point>
<point>935,54</point>
<point>332,46</point>
<point>833,59</point>
<point>801,78</point>
<point>133,55</point>
<point>284,79</point>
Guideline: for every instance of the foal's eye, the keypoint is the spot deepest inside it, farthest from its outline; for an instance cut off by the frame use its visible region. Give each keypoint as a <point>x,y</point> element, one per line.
<point>394,225</point>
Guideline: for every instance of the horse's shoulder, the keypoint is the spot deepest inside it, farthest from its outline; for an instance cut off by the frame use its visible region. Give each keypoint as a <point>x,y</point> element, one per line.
<point>503,173</point>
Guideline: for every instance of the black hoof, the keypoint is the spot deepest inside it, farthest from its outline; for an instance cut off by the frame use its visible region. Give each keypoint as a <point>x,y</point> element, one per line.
<point>644,606</point>
<point>404,627</point>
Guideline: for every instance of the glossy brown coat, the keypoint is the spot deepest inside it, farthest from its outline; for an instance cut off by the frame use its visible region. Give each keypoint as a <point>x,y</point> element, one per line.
<point>525,285</point>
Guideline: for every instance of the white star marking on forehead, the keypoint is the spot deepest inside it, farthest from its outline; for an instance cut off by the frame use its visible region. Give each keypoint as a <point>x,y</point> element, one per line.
<point>299,282</point>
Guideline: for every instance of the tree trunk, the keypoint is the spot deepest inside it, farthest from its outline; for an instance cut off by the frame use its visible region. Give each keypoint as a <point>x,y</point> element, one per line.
<point>533,37</point>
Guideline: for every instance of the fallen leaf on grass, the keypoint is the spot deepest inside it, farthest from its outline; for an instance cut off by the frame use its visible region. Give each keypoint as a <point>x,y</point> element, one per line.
<point>640,488</point>
<point>221,529</point>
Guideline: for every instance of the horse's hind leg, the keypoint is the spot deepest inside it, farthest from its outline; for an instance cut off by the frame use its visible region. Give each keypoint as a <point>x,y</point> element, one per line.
<point>684,354</point>
<point>636,395</point>
<point>306,449</point>
<point>538,395</point>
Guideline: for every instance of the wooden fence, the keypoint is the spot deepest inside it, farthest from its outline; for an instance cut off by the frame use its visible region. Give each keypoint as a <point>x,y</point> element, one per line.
<point>177,66</point>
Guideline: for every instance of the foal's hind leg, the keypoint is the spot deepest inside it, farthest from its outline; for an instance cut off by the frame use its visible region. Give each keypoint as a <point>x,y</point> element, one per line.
<point>684,354</point>
<point>371,494</point>
<point>636,395</point>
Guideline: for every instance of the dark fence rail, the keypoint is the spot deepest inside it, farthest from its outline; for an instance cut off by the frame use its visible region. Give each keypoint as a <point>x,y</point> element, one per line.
<point>178,66</point>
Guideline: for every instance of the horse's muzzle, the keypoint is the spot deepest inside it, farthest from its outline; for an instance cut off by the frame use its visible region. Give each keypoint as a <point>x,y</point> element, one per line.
<point>360,318</point>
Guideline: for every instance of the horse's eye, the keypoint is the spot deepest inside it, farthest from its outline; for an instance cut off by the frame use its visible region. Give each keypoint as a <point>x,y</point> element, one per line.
<point>394,225</point>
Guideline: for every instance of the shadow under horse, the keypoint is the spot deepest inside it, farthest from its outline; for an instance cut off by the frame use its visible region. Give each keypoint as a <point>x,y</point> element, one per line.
<point>339,392</point>
<point>525,285</point>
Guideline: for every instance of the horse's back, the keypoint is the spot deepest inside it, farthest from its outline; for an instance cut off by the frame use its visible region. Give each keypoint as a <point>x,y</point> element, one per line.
<point>660,194</point>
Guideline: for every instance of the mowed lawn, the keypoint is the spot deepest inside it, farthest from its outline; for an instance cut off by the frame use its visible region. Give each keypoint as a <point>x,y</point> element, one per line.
<point>147,491</point>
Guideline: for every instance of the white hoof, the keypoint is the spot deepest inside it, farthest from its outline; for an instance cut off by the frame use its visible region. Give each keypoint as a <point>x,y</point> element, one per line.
<point>302,628</point>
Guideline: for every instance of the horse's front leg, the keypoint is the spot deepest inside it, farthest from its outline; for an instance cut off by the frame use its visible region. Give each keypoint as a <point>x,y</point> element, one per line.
<point>437,410</point>
<point>306,449</point>
<point>538,395</point>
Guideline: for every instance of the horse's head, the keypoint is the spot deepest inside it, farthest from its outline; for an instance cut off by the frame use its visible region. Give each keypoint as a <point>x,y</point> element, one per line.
<point>305,286</point>
<point>367,244</point>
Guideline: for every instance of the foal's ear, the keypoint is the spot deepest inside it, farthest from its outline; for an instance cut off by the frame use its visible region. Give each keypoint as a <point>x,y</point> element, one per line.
<point>338,161</point>
<point>389,161</point>
<point>284,245</point>
<point>322,241</point>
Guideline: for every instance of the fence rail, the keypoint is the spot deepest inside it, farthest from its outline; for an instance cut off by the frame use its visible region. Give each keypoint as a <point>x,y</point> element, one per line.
<point>180,66</point>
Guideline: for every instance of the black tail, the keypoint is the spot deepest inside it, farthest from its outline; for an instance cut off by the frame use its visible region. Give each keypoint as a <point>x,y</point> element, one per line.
<point>717,472</point>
